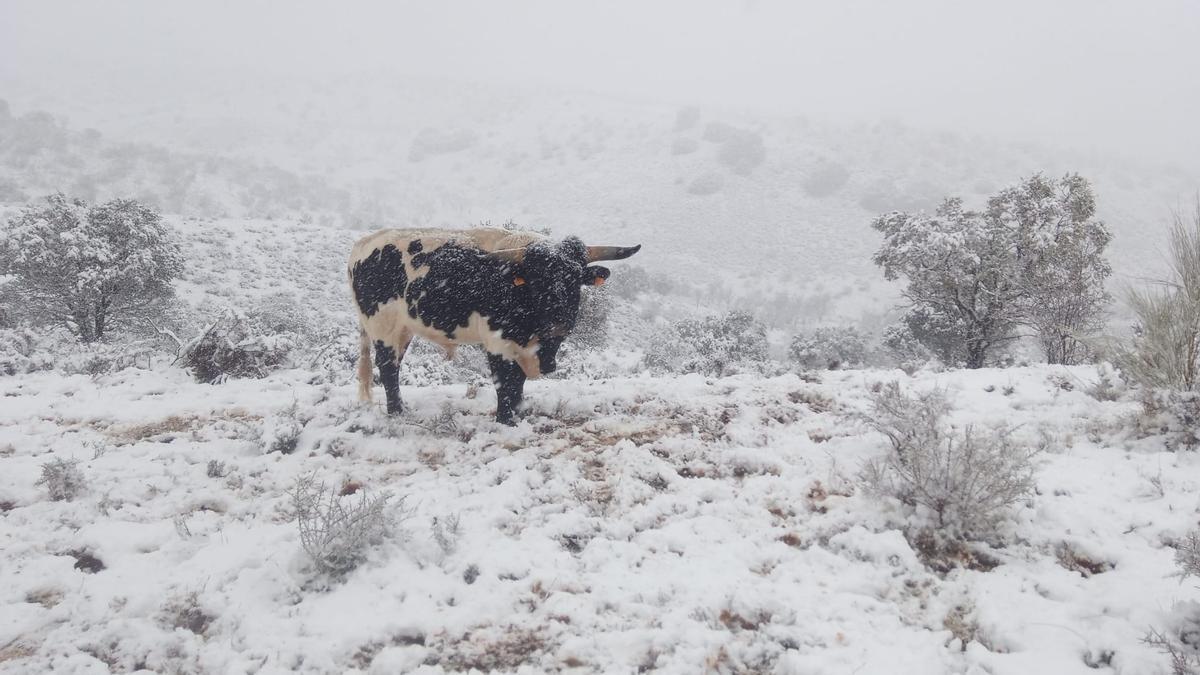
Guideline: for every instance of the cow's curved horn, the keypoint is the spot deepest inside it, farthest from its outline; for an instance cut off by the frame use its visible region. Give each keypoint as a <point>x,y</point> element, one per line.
<point>510,255</point>
<point>598,253</point>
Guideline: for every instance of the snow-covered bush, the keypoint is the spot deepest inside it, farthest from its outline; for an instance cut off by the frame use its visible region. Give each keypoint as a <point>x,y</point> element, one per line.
<point>281,432</point>
<point>122,261</point>
<point>1187,555</point>
<point>1179,643</point>
<point>425,364</point>
<point>1033,258</point>
<point>1164,355</point>
<point>686,118</point>
<point>63,479</point>
<point>716,345</point>
<point>966,478</point>
<point>591,326</point>
<point>825,179</point>
<point>1175,415</point>
<point>684,146</point>
<point>430,142</point>
<point>26,349</point>
<point>233,346</point>
<point>706,184</point>
<point>1165,351</point>
<point>335,531</point>
<point>829,348</point>
<point>22,351</point>
<point>740,150</point>
<point>904,349</point>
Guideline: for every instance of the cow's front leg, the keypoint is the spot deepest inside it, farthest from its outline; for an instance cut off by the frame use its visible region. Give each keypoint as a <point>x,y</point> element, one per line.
<point>388,362</point>
<point>510,387</point>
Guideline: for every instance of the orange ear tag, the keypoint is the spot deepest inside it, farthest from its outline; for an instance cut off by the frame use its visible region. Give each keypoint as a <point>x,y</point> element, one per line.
<point>599,281</point>
<point>518,281</point>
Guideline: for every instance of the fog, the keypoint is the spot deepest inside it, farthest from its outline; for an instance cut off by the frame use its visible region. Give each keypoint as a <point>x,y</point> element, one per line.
<point>1109,76</point>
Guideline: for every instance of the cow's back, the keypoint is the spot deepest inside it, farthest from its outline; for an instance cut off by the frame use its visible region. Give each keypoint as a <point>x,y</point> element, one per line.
<point>483,238</point>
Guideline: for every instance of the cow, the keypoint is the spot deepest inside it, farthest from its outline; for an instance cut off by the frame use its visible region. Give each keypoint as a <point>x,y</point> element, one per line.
<point>515,293</point>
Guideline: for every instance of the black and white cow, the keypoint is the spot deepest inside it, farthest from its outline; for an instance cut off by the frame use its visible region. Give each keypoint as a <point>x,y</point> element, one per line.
<point>514,293</point>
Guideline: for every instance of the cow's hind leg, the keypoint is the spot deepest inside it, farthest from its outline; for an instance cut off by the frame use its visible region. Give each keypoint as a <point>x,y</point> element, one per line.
<point>510,387</point>
<point>387,359</point>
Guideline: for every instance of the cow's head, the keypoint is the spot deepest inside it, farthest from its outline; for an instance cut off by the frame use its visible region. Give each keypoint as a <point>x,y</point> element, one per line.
<point>547,277</point>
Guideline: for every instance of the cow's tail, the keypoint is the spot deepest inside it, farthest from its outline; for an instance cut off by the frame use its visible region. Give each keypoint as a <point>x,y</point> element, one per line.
<point>364,366</point>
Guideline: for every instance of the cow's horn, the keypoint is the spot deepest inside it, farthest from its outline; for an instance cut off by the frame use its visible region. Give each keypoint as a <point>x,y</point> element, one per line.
<point>598,253</point>
<point>511,255</point>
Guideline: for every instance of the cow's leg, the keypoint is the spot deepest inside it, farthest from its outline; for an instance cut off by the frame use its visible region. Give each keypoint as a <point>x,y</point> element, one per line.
<point>387,359</point>
<point>510,387</point>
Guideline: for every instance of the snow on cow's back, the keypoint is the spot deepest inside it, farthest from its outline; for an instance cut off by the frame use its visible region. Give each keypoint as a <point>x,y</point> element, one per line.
<point>483,238</point>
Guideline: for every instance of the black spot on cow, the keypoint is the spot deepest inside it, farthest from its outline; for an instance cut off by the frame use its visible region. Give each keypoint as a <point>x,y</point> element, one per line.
<point>415,246</point>
<point>460,281</point>
<point>378,278</point>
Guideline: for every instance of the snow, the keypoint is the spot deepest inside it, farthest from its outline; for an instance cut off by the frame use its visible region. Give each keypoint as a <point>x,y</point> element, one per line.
<point>683,523</point>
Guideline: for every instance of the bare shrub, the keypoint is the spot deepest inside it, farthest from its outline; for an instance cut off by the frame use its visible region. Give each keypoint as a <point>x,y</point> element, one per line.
<point>966,478</point>
<point>336,532</point>
<point>1187,555</point>
<point>63,479</point>
<point>215,469</point>
<point>446,532</point>
<point>1185,657</point>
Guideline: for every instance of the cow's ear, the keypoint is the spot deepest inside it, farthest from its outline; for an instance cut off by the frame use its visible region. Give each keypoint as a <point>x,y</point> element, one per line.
<point>595,275</point>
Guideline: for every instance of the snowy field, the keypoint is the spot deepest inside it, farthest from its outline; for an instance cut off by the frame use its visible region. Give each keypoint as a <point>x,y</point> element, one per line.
<point>678,524</point>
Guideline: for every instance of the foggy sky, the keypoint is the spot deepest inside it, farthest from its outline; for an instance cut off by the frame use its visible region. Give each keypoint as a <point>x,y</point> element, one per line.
<point>1091,74</point>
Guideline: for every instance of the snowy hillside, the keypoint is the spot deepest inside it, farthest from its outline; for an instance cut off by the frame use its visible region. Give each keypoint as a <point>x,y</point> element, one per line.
<point>797,193</point>
<point>683,524</point>
<point>630,521</point>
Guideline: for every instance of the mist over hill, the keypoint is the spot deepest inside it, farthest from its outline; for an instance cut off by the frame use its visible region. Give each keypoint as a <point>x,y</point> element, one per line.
<point>760,201</point>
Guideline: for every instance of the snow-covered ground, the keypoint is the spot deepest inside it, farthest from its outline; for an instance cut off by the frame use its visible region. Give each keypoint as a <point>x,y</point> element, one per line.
<point>682,524</point>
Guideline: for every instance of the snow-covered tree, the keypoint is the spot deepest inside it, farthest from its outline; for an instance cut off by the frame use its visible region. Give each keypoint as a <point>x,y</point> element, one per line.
<point>1061,249</point>
<point>1033,258</point>
<point>91,268</point>
<point>961,272</point>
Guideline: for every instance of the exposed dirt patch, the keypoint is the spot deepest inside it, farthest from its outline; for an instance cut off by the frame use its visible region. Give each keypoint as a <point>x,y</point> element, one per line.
<point>46,597</point>
<point>941,555</point>
<point>170,427</point>
<point>488,649</point>
<point>1071,559</point>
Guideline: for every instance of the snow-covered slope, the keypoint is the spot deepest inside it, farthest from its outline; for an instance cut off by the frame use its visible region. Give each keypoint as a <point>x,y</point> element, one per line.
<point>773,197</point>
<point>682,524</point>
